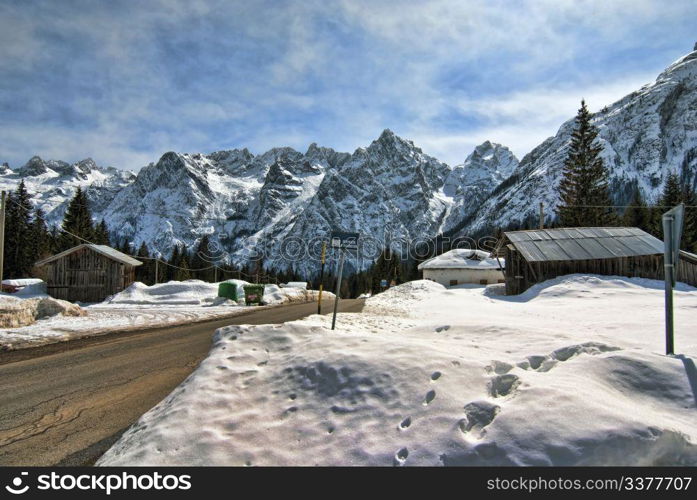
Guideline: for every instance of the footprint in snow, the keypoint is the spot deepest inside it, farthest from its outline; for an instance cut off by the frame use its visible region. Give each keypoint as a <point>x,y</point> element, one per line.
<point>404,424</point>
<point>478,415</point>
<point>503,385</point>
<point>443,328</point>
<point>430,396</point>
<point>401,456</point>
<point>435,376</point>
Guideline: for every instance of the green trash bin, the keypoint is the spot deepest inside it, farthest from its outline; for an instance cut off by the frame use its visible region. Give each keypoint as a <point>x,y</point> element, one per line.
<point>253,294</point>
<point>228,290</point>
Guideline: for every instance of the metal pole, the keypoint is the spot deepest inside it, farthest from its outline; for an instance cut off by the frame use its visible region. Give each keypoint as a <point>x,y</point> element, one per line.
<point>2,236</point>
<point>542,215</point>
<point>215,279</point>
<point>321,278</point>
<point>338,288</point>
<point>157,261</point>
<point>668,274</point>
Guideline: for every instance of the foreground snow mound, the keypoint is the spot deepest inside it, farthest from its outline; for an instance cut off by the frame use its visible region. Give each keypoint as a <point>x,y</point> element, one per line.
<point>460,378</point>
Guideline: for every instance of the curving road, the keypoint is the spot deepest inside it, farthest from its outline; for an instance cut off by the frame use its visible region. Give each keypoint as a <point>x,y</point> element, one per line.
<point>67,403</point>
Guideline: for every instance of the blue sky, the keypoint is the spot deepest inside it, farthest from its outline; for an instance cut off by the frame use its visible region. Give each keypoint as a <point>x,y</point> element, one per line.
<point>125,81</point>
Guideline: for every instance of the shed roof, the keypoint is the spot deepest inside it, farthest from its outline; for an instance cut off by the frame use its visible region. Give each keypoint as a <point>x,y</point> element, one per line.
<point>462,258</point>
<point>583,243</point>
<point>105,250</point>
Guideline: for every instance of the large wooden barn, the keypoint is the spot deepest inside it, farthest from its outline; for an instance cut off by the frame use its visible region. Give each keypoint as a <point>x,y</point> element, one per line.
<point>87,273</point>
<point>537,255</point>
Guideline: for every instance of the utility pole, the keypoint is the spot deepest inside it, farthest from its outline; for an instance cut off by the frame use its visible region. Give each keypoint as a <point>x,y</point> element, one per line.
<point>215,279</point>
<point>2,235</point>
<point>156,269</point>
<point>321,278</point>
<point>542,215</point>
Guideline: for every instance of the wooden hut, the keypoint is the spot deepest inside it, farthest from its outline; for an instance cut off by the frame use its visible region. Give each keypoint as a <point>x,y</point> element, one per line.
<point>87,273</point>
<point>537,255</point>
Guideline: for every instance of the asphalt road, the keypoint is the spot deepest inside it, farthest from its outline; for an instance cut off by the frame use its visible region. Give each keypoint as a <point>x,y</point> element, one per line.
<point>67,403</point>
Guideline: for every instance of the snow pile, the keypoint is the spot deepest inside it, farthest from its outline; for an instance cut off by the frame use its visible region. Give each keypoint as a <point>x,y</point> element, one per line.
<point>274,294</point>
<point>189,292</point>
<point>570,375</point>
<point>197,292</point>
<point>16,312</point>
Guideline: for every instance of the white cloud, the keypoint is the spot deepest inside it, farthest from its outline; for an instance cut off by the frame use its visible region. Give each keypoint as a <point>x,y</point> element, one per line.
<point>521,120</point>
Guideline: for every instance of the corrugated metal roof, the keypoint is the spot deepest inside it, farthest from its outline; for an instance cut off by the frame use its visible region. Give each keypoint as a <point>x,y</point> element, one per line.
<point>583,243</point>
<point>102,249</point>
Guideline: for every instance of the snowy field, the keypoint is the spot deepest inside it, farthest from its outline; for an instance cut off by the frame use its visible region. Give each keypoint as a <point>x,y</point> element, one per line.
<point>141,306</point>
<point>570,373</point>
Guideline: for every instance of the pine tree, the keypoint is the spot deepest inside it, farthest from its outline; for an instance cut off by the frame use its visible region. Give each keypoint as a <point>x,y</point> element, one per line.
<point>671,196</point>
<point>182,271</point>
<point>40,237</point>
<point>583,190</point>
<point>146,272</point>
<point>200,260</point>
<point>77,222</point>
<point>19,258</point>
<point>672,192</point>
<point>689,239</point>
<point>638,214</point>
<point>387,267</point>
<point>101,233</point>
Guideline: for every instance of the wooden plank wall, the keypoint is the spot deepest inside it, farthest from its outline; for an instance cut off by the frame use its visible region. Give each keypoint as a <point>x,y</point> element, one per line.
<point>521,275</point>
<point>87,276</point>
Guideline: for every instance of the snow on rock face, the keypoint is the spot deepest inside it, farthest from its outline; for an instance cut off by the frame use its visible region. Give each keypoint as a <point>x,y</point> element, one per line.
<point>431,376</point>
<point>53,183</point>
<point>471,183</point>
<point>645,136</point>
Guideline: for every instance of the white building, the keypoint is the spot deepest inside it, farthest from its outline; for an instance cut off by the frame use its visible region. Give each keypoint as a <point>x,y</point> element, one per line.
<point>461,266</point>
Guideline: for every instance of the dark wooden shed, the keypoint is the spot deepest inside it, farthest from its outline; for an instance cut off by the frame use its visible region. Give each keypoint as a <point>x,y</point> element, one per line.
<point>537,255</point>
<point>87,273</point>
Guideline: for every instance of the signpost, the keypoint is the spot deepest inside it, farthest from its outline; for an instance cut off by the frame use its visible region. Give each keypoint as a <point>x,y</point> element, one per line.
<point>672,232</point>
<point>342,241</point>
<point>321,278</point>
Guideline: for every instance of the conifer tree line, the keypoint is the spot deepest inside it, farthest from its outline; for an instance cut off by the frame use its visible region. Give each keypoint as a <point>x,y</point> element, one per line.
<point>585,198</point>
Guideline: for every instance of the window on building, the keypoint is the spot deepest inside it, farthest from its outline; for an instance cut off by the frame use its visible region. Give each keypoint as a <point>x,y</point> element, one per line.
<point>453,282</point>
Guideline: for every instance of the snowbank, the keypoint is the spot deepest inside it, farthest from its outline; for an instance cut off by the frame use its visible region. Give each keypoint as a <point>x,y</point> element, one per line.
<point>16,312</point>
<point>197,292</point>
<point>571,374</point>
<point>189,292</point>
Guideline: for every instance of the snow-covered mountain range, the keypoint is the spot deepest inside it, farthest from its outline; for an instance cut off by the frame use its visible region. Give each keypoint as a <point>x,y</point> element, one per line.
<point>387,191</point>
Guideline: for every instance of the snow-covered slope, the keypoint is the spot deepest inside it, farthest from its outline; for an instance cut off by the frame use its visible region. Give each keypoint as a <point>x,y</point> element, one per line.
<point>53,183</point>
<point>645,136</point>
<point>434,376</point>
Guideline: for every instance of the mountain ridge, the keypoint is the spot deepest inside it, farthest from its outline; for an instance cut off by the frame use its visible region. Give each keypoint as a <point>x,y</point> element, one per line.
<point>389,190</point>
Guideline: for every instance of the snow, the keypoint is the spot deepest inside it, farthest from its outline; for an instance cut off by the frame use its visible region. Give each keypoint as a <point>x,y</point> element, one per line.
<point>189,292</point>
<point>570,373</point>
<point>141,306</point>
<point>462,258</point>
